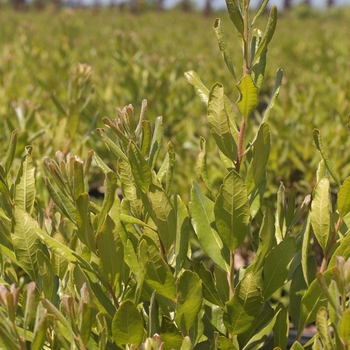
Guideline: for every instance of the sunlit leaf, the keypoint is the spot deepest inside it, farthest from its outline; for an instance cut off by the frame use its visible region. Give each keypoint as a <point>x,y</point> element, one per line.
<point>248,98</point>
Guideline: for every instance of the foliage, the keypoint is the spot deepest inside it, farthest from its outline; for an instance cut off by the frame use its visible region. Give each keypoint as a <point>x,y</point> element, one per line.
<point>141,268</point>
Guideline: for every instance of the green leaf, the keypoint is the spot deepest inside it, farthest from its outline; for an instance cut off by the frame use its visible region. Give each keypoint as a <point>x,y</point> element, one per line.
<point>182,233</point>
<point>127,325</point>
<point>40,329</point>
<point>343,200</point>
<point>140,169</point>
<point>25,241</point>
<point>235,15</point>
<point>219,123</point>
<point>157,274</point>
<point>260,11</point>
<point>47,274</point>
<point>11,152</point>
<point>203,221</point>
<point>85,230</point>
<point>189,300</point>
<point>344,327</point>
<point>146,137</point>
<point>323,330</point>
<point>110,250</point>
<point>210,291</point>
<point>261,151</point>
<point>257,72</point>
<point>268,34</point>
<point>342,250</point>
<point>199,86</point>
<point>25,182</point>
<point>223,46</point>
<point>321,212</point>
<point>201,165</point>
<point>156,143</point>
<point>248,98</point>
<point>86,321</point>
<point>73,118</point>
<point>232,211</point>
<point>162,213</point>
<point>281,328</point>
<point>78,176</point>
<point>244,306</point>
<point>276,267</point>
<point>319,144</point>
<point>274,95</point>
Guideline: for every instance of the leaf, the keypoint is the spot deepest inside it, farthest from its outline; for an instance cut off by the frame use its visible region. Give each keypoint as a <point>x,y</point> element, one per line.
<point>140,169</point>
<point>248,98</point>
<point>276,267</point>
<point>319,144</point>
<point>11,152</point>
<point>189,300</point>
<point>268,34</point>
<point>235,15</point>
<point>219,123</point>
<point>127,325</point>
<point>197,83</point>
<point>156,143</point>
<point>25,241</point>
<point>261,151</point>
<point>344,327</point>
<point>40,329</point>
<point>323,330</point>
<point>85,230</point>
<point>146,137</point>
<point>86,322</point>
<point>343,200</point>
<point>110,250</point>
<point>260,11</point>
<point>162,213</point>
<point>73,118</point>
<point>201,165</point>
<point>203,221</point>
<point>182,233</point>
<point>281,327</point>
<point>223,46</point>
<point>157,274</point>
<point>78,176</point>
<point>47,274</point>
<point>244,306</point>
<point>232,211</point>
<point>25,182</point>
<point>320,213</point>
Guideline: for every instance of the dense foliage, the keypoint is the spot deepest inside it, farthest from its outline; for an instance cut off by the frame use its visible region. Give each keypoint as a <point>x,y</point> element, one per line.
<point>187,187</point>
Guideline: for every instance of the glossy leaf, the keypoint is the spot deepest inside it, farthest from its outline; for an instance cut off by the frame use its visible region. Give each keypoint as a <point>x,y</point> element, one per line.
<point>127,325</point>
<point>25,190</point>
<point>320,213</point>
<point>248,98</point>
<point>203,221</point>
<point>189,300</point>
<point>219,122</point>
<point>276,267</point>
<point>201,90</point>
<point>232,211</point>
<point>244,306</point>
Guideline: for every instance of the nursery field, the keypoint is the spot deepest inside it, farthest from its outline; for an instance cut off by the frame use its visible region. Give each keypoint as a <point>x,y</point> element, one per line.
<point>174,181</point>
<point>130,58</point>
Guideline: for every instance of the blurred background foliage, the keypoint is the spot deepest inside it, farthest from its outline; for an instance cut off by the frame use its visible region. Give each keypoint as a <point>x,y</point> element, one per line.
<point>62,71</point>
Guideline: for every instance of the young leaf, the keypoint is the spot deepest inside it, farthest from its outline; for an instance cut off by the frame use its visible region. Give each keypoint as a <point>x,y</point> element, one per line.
<point>344,327</point>
<point>248,98</point>
<point>323,330</point>
<point>203,220</point>
<point>199,86</point>
<point>146,137</point>
<point>320,213</point>
<point>25,182</point>
<point>319,144</point>
<point>276,267</point>
<point>232,211</point>
<point>189,300</point>
<point>261,151</point>
<point>235,15</point>
<point>343,200</point>
<point>260,11</point>
<point>127,325</point>
<point>223,46</point>
<point>219,122</point>
<point>268,34</point>
<point>156,143</point>
<point>244,306</point>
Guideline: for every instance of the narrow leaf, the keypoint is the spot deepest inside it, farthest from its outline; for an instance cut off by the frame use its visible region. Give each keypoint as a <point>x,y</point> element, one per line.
<point>199,86</point>
<point>235,15</point>
<point>343,200</point>
<point>11,151</point>
<point>156,143</point>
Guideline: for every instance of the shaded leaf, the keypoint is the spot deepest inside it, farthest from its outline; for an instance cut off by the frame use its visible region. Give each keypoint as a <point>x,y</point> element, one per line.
<point>343,200</point>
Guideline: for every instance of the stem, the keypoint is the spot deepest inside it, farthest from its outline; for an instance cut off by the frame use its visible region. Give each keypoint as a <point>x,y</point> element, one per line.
<point>331,245</point>
<point>245,39</point>
<point>240,145</point>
